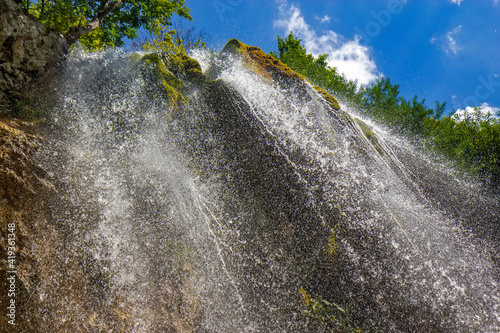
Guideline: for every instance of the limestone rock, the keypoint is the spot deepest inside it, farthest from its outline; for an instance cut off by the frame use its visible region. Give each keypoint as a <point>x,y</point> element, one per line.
<point>27,50</point>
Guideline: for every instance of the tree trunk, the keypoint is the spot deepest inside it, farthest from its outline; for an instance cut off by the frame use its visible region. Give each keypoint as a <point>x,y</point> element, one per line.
<point>75,33</point>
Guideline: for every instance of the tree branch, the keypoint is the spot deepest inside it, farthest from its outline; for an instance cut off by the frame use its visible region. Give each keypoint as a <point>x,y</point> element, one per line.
<point>75,33</point>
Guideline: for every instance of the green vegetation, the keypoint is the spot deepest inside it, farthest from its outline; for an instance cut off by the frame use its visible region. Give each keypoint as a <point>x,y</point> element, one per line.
<point>335,316</point>
<point>99,24</point>
<point>383,102</point>
<point>293,54</point>
<point>473,144</point>
<point>171,66</point>
<point>332,243</point>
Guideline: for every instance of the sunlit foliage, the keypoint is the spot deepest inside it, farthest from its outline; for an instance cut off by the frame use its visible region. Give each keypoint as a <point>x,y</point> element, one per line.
<point>99,24</point>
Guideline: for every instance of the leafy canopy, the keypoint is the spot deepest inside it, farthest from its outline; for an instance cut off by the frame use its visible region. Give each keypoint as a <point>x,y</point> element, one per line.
<point>292,53</point>
<point>105,23</point>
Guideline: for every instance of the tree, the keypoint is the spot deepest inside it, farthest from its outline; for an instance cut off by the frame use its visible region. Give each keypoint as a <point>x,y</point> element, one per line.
<point>381,100</point>
<point>191,37</point>
<point>293,53</point>
<point>97,24</point>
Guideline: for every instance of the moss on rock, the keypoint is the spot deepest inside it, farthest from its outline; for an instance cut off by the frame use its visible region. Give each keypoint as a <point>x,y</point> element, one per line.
<point>272,68</point>
<point>332,101</point>
<point>183,65</point>
<point>370,135</point>
<point>175,73</point>
<point>263,63</point>
<point>167,79</point>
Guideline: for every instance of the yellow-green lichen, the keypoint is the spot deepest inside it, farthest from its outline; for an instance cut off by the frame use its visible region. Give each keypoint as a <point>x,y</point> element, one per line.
<point>167,79</point>
<point>264,64</point>
<point>332,101</point>
<point>332,243</point>
<point>370,135</point>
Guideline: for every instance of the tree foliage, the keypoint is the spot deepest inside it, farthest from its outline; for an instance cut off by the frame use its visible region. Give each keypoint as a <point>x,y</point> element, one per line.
<point>292,53</point>
<point>383,102</point>
<point>99,24</point>
<point>473,143</point>
<point>187,37</point>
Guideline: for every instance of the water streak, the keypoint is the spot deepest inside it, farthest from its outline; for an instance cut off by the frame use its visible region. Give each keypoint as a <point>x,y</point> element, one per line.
<point>213,216</point>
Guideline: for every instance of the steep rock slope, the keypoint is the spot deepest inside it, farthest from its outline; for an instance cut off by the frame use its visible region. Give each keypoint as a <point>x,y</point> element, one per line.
<point>167,198</point>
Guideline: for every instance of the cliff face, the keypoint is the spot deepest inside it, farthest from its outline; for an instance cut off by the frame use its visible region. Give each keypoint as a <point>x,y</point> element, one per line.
<point>67,280</point>
<point>27,51</point>
<point>27,241</point>
<point>167,198</point>
<point>53,286</point>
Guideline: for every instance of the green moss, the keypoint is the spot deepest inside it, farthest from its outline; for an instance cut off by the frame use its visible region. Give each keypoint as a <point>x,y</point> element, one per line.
<point>183,65</point>
<point>306,297</point>
<point>171,84</point>
<point>370,135</point>
<point>334,316</point>
<point>270,67</point>
<point>155,60</point>
<point>332,243</point>
<point>175,70</point>
<point>233,45</point>
<point>262,63</point>
<point>332,101</point>
<point>135,57</point>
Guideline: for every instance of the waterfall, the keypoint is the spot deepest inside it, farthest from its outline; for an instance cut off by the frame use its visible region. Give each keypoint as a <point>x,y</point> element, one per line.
<point>214,215</point>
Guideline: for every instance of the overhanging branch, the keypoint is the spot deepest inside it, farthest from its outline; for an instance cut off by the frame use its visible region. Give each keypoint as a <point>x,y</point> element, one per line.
<point>75,33</point>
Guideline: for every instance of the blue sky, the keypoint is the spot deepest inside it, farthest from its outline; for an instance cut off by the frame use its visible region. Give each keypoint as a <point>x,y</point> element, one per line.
<point>445,50</point>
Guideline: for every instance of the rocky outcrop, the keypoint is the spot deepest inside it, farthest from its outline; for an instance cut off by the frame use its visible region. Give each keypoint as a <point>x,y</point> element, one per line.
<point>274,69</point>
<point>23,187</point>
<point>50,283</point>
<point>27,51</point>
<point>176,203</point>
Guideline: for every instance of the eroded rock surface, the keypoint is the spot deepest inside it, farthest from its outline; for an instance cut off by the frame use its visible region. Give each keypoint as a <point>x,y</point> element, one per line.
<point>27,51</point>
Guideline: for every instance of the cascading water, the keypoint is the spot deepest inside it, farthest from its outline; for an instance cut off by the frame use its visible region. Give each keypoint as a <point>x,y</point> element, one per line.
<point>210,217</point>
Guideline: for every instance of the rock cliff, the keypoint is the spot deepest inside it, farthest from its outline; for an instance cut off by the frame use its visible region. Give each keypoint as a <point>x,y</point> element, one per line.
<point>28,50</point>
<point>163,197</point>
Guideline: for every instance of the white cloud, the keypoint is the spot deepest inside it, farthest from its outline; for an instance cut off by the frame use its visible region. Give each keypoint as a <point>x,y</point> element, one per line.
<point>495,2</point>
<point>485,109</point>
<point>348,56</point>
<point>458,2</point>
<point>448,42</point>
<point>324,19</point>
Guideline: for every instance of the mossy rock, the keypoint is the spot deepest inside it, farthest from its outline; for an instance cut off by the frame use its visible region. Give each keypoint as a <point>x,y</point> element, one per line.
<point>370,135</point>
<point>168,80</point>
<point>175,71</point>
<point>263,63</point>
<point>332,101</point>
<point>183,65</point>
<point>135,57</point>
<point>272,68</point>
<point>163,72</point>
